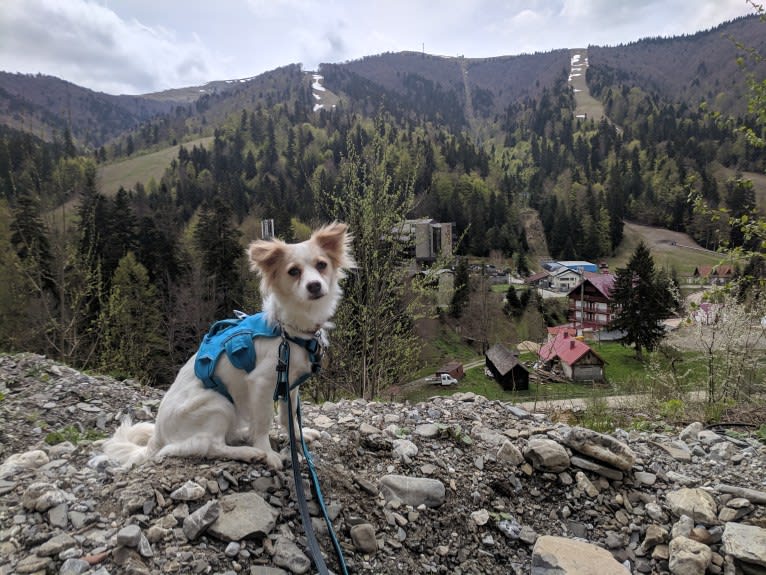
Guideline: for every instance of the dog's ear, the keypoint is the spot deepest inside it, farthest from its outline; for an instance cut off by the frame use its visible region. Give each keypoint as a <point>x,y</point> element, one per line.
<point>335,240</point>
<point>265,256</point>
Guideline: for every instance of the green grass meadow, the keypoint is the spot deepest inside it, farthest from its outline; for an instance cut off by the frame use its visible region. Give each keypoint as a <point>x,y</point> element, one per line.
<point>625,375</point>
<point>141,168</point>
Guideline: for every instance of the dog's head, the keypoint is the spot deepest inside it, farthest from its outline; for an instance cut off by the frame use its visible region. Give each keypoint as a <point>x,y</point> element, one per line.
<point>302,279</point>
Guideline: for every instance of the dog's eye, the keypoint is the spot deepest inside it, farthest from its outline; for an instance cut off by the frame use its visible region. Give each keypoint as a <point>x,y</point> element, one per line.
<point>294,271</point>
<point>321,265</point>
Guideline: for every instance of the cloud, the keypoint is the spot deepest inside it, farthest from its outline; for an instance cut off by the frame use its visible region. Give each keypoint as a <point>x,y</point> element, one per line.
<point>90,45</point>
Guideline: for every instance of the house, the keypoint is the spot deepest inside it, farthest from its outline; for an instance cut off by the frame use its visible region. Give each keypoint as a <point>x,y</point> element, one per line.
<point>564,279</point>
<point>555,330</point>
<point>506,368</point>
<point>720,274</point>
<point>431,239</point>
<point>590,302</point>
<point>453,368</point>
<point>577,360</point>
<point>539,280</point>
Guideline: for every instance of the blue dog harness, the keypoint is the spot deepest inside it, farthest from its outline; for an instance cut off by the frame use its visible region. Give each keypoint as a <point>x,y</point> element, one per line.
<point>235,337</point>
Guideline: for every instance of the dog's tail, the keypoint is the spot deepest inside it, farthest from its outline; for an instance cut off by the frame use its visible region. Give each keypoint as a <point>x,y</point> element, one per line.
<point>130,444</point>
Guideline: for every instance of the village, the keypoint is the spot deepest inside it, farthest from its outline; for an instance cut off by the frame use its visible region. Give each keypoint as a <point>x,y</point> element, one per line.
<point>569,351</point>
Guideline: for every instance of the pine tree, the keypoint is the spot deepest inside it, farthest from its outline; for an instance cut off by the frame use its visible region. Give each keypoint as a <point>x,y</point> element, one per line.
<point>217,241</point>
<point>15,290</point>
<point>131,324</point>
<point>645,298</point>
<point>29,235</point>
<point>462,288</point>
<point>513,305</point>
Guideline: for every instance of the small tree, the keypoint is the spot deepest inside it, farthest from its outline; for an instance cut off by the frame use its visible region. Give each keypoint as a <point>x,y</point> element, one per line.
<point>131,323</point>
<point>644,298</point>
<point>462,289</point>
<point>731,340</point>
<point>513,305</point>
<point>374,344</point>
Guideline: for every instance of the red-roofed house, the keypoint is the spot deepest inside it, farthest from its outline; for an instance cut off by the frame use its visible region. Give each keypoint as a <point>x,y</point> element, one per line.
<point>719,274</point>
<point>555,330</point>
<point>578,361</point>
<point>590,303</point>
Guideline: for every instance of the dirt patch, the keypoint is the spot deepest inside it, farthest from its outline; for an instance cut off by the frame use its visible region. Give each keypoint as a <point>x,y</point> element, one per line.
<point>533,228</point>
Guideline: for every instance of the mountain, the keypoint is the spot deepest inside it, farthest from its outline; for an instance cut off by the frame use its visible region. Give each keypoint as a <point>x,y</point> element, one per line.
<point>456,91</point>
<point>690,69</point>
<point>46,106</point>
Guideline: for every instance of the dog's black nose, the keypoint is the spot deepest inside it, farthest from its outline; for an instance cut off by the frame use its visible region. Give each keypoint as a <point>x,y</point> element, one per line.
<point>314,288</point>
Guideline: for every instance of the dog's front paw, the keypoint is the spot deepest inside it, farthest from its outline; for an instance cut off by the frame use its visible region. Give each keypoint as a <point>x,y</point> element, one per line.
<point>310,434</point>
<point>274,460</point>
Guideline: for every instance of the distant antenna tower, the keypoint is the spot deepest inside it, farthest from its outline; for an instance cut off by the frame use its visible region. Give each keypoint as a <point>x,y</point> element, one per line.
<point>424,49</point>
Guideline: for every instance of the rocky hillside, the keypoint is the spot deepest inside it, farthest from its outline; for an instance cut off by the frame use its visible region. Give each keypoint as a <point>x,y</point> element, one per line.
<point>452,485</point>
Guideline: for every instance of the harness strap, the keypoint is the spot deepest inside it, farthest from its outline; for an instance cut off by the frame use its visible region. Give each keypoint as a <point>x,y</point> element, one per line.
<point>282,391</point>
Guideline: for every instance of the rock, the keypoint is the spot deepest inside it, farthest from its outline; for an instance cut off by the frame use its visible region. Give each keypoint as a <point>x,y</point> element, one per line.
<point>546,455</point>
<point>129,536</point>
<point>683,527</point>
<point>189,491</point>
<point>404,449</point>
<point>243,515</point>
<point>58,516</point>
<point>510,453</point>
<point>510,528</point>
<point>480,517</point>
<point>585,485</point>
<point>603,470</point>
<point>288,555</point>
<point>678,450</point>
<point>723,451</point>
<point>751,495</point>
<point>56,545</point>
<point>688,557</point>
<point>74,566</point>
<point>413,491</point>
<point>708,437</point>
<point>645,478</point>
<point>601,447</point>
<point>427,430</point>
<point>33,564</point>
<point>196,523</point>
<point>41,496</point>
<point>696,503</point>
<point>747,543</point>
<point>654,536</point>
<point>690,432</point>
<point>735,509</point>
<point>363,536</point>
<point>561,556</point>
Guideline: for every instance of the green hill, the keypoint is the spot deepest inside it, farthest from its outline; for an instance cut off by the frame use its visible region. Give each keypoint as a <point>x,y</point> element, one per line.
<point>141,168</point>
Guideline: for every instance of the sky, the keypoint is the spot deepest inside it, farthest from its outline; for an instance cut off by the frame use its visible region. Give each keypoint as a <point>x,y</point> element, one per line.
<point>141,46</point>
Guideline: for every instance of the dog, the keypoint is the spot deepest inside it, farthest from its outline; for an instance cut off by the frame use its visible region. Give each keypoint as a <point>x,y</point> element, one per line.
<point>301,291</point>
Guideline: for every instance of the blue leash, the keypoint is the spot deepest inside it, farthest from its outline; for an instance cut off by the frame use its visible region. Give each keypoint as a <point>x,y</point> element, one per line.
<point>282,391</point>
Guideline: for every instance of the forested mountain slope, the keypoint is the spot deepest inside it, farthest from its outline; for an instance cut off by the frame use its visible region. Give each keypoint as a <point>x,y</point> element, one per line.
<point>172,245</point>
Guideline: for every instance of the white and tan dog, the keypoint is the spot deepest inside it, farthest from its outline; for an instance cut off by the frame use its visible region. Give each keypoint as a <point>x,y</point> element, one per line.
<point>300,287</point>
